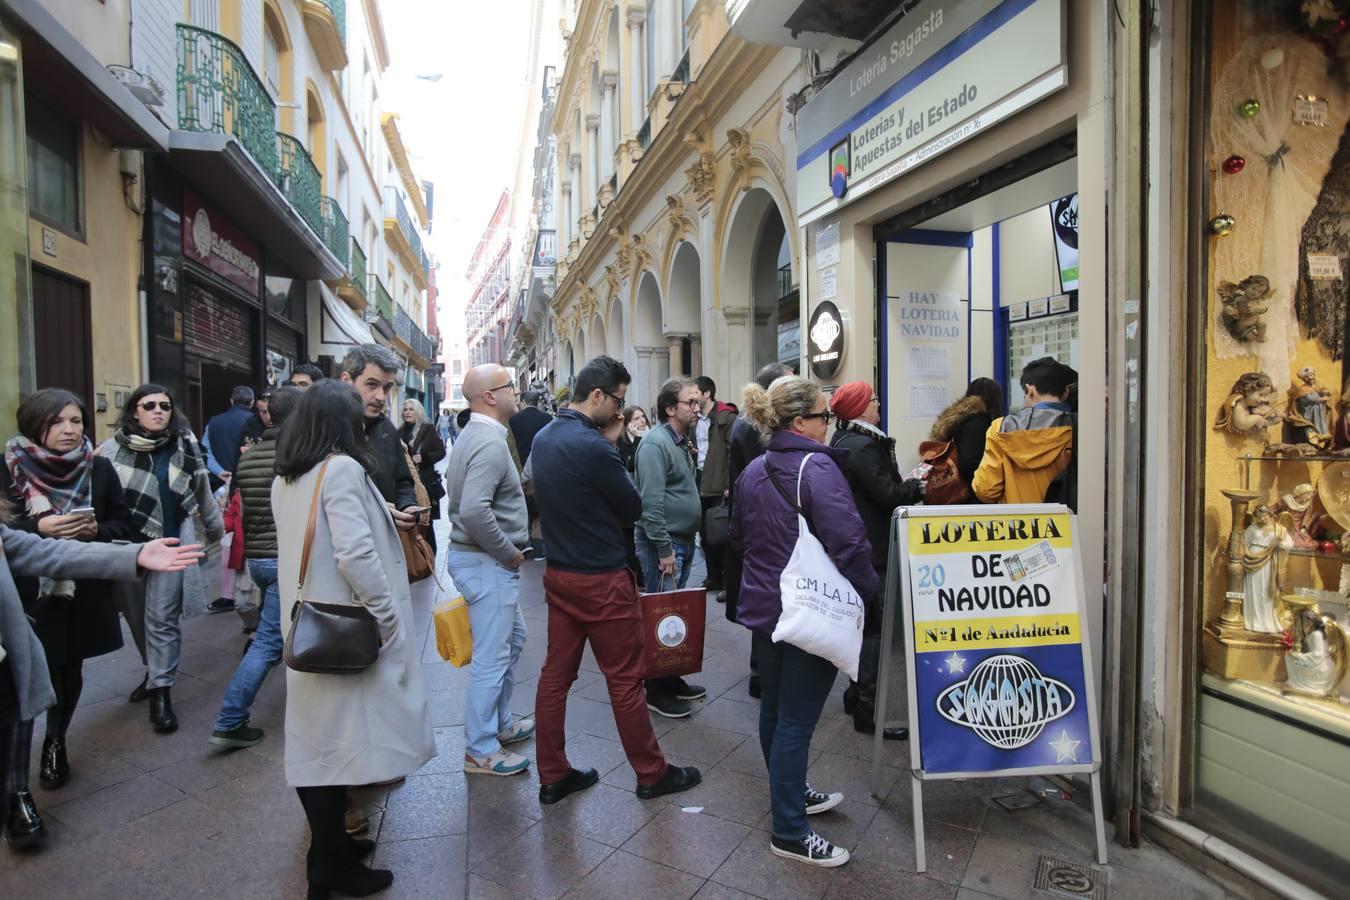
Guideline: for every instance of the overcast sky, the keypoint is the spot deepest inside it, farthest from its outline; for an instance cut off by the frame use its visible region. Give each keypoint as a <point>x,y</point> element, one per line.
<point>461,129</point>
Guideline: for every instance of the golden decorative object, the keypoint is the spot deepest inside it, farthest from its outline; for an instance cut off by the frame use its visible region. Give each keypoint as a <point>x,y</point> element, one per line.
<point>1289,606</point>
<point>1228,649</point>
<point>1333,489</point>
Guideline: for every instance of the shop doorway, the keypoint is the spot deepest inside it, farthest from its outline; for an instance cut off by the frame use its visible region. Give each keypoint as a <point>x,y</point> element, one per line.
<point>62,333</point>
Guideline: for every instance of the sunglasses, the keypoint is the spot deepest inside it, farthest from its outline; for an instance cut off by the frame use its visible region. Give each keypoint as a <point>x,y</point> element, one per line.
<point>617,399</point>
<point>152,405</point>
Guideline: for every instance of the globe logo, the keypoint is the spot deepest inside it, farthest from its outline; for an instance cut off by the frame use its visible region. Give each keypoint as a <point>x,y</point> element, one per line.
<point>825,331</point>
<point>1006,701</point>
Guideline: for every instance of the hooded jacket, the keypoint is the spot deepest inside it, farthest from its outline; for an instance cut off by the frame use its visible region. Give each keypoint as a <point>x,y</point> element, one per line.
<point>764,526</point>
<point>1023,453</point>
<point>965,423</point>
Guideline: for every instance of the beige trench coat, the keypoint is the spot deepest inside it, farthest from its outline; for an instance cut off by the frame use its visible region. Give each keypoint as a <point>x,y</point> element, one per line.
<point>371,726</point>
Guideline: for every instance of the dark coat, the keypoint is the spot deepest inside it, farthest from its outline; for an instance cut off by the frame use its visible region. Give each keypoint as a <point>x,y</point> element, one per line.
<point>253,477</point>
<point>764,525</point>
<point>225,433</point>
<point>745,447</point>
<point>587,503</point>
<point>392,477</point>
<point>85,625</point>
<point>717,463</point>
<point>628,451</point>
<point>875,482</point>
<point>524,426</point>
<point>429,444</point>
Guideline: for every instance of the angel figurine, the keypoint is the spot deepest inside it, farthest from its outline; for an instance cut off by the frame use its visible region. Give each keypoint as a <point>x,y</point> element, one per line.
<point>1243,307</point>
<point>1316,659</point>
<point>1250,406</point>
<point>1263,543</point>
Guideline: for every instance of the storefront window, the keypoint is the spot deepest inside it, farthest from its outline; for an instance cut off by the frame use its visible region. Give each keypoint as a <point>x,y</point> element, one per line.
<point>1274,708</point>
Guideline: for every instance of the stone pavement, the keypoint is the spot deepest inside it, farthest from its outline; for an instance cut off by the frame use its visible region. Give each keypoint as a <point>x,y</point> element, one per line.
<point>154,816</point>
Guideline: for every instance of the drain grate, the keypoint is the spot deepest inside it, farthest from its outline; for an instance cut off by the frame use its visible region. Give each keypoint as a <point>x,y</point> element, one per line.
<point>1069,879</point>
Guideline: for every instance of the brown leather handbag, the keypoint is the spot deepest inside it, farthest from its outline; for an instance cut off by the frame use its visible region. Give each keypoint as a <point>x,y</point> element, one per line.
<point>328,638</point>
<point>417,552</point>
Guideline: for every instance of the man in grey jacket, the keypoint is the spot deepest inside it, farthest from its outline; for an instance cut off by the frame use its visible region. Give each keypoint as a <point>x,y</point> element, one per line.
<point>489,532</point>
<point>671,513</point>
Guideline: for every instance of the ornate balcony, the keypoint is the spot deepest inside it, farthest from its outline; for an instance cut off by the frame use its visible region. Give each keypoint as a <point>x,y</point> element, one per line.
<point>336,235</point>
<point>380,312</point>
<point>403,237</point>
<point>299,180</point>
<point>219,93</point>
<point>353,287</point>
<point>326,24</point>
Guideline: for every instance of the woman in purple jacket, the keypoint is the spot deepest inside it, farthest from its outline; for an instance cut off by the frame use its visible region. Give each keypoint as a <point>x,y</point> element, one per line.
<point>793,415</point>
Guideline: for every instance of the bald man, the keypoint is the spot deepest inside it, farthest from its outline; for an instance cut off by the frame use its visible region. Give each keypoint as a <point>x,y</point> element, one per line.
<point>489,534</point>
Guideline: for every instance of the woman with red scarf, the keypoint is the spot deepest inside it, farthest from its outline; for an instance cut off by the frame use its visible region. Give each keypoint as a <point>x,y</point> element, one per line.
<point>60,489</point>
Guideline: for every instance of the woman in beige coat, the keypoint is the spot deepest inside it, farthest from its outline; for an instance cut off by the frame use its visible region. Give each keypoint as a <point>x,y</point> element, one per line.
<point>345,729</point>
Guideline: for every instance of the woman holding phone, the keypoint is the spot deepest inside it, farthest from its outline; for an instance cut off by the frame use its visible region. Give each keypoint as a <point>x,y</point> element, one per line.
<point>58,489</point>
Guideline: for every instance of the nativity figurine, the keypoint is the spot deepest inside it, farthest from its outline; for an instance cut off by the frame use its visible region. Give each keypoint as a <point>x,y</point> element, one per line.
<point>1249,408</point>
<point>1299,507</point>
<point>1263,545</point>
<point>1307,414</point>
<point>1243,307</point>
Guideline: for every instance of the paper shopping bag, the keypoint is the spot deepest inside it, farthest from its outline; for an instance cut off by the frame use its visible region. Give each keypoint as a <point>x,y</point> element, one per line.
<point>454,640</point>
<point>672,632</point>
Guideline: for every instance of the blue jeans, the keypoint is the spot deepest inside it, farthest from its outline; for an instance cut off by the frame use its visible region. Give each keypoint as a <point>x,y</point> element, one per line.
<point>651,563</point>
<point>263,653</point>
<point>795,686</point>
<point>492,592</point>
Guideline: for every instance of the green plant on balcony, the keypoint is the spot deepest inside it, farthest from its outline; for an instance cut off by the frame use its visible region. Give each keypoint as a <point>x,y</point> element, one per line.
<point>219,93</point>
<point>336,236</point>
<point>299,180</point>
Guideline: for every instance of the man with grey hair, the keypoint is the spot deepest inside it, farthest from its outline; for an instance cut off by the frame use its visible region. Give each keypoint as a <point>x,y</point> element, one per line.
<point>373,370</point>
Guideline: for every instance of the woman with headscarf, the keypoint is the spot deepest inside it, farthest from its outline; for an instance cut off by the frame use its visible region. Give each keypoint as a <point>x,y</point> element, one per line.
<point>164,476</point>
<point>59,489</point>
<point>427,449</point>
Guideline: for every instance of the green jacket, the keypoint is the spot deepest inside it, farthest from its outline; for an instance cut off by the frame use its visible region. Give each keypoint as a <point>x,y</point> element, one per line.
<point>253,477</point>
<point>671,510</point>
<point>717,464</point>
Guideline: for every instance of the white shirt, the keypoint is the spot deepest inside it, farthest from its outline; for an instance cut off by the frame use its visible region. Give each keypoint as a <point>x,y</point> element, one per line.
<point>488,420</point>
<point>701,438</point>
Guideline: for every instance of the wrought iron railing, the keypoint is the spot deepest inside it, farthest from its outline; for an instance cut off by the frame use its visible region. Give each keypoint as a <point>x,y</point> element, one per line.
<point>299,180</point>
<point>219,93</point>
<point>395,208</point>
<point>384,304</point>
<point>546,247</point>
<point>682,70</point>
<point>339,10</point>
<point>785,282</point>
<point>644,135</point>
<point>403,326</point>
<point>336,235</point>
<point>356,269</point>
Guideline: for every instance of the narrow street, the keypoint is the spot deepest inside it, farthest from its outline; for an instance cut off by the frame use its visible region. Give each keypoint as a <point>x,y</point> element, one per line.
<point>167,816</point>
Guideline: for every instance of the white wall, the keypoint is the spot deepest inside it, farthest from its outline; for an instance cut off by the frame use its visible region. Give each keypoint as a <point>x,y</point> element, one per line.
<point>154,49</point>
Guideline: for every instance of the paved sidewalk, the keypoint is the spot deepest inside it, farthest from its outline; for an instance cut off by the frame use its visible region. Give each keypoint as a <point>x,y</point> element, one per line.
<point>152,816</point>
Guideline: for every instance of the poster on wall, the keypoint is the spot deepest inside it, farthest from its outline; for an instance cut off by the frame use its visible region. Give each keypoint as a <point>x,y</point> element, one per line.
<point>1064,221</point>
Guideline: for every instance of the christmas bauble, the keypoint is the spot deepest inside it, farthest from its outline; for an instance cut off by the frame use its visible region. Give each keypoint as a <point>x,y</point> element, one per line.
<point>1250,107</point>
<point>1328,547</point>
<point>1222,224</point>
<point>1234,164</point>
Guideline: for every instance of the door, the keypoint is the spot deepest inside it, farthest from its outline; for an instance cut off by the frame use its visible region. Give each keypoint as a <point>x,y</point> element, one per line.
<point>62,333</point>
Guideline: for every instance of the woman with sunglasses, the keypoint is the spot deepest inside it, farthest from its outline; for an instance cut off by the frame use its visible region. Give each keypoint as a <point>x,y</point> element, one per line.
<point>164,476</point>
<point>793,416</point>
<point>58,488</point>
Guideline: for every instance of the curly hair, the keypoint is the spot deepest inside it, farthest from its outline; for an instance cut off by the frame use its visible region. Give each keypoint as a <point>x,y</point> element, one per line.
<point>785,399</point>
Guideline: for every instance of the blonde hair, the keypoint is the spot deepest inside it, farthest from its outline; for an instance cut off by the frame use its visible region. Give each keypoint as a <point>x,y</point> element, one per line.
<point>418,408</point>
<point>785,399</point>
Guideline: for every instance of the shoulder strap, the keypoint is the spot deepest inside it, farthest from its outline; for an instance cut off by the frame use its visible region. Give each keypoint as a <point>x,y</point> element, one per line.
<point>797,506</point>
<point>309,526</point>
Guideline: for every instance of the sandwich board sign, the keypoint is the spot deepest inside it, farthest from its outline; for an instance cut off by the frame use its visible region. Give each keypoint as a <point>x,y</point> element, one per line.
<point>998,660</point>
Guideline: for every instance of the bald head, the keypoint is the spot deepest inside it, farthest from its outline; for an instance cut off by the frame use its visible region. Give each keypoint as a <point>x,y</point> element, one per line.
<point>490,391</point>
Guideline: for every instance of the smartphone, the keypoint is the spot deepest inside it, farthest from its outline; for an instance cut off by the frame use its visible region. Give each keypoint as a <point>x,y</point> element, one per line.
<point>82,511</point>
<point>526,552</point>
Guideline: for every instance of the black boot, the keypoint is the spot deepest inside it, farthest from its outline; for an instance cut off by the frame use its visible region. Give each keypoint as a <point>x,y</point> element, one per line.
<point>141,691</point>
<point>350,880</point>
<point>24,828</point>
<point>161,711</point>
<point>850,698</point>
<point>865,724</point>
<point>55,768</point>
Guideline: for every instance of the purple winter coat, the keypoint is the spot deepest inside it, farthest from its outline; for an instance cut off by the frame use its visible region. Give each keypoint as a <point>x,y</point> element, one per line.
<point>764,527</point>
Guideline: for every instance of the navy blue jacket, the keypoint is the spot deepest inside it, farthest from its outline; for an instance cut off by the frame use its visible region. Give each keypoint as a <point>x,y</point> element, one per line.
<point>225,433</point>
<point>524,426</point>
<point>587,504</point>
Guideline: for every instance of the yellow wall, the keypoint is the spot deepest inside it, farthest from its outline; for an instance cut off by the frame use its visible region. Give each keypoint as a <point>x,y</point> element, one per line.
<point>108,259</point>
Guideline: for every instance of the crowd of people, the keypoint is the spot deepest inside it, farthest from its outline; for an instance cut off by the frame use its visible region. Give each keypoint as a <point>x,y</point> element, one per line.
<point>309,493</point>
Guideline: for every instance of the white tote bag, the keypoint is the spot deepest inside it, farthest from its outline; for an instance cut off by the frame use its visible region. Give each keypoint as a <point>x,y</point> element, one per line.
<point>822,613</point>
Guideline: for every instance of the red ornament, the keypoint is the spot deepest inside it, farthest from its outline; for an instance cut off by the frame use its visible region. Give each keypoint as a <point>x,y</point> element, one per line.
<point>1341,24</point>
<point>1287,640</point>
<point>1234,164</point>
<point>1328,547</point>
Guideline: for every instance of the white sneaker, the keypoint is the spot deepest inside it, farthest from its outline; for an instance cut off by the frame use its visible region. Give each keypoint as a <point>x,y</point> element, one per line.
<point>503,762</point>
<point>813,850</point>
<point>816,802</point>
<point>520,730</point>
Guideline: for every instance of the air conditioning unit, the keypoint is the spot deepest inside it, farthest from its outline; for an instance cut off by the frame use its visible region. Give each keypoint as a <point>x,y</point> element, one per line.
<point>143,87</point>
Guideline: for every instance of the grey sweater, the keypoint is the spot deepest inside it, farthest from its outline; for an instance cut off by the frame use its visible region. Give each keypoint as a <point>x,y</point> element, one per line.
<point>484,498</point>
<point>671,509</point>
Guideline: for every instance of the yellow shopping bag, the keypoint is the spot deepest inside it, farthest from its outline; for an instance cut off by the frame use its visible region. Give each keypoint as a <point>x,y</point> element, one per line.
<point>454,640</point>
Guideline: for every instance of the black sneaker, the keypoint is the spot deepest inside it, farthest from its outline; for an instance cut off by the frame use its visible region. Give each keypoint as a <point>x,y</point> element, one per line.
<point>687,691</point>
<point>813,850</point>
<point>220,605</point>
<point>676,779</point>
<point>668,706</point>
<point>243,736</point>
<point>816,802</point>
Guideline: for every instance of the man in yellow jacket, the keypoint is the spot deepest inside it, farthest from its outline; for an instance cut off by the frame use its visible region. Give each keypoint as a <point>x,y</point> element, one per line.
<point>1025,452</point>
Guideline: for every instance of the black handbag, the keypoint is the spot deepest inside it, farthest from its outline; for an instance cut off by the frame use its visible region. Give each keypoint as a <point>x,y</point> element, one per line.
<point>328,638</point>
<point>717,525</point>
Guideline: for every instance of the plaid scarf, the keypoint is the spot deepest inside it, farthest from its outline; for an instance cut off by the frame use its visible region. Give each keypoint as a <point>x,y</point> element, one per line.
<point>51,483</point>
<point>132,455</point>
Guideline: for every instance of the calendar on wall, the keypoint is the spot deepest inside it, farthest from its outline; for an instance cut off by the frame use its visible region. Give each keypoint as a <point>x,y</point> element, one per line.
<point>1055,336</point>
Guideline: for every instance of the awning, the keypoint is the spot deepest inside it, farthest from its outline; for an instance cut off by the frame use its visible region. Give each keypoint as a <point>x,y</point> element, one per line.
<point>55,62</point>
<point>338,323</point>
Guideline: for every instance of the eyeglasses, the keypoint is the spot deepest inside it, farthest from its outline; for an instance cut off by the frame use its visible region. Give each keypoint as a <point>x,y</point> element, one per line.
<point>152,405</point>
<point>502,387</point>
<point>615,397</point>
<point>875,401</point>
<point>826,415</point>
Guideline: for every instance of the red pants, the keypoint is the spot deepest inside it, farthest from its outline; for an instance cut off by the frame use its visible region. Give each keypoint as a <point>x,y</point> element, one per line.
<point>604,609</point>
